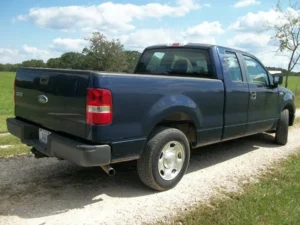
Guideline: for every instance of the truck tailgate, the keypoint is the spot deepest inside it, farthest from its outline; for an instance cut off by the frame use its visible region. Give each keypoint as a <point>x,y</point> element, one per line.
<point>53,99</point>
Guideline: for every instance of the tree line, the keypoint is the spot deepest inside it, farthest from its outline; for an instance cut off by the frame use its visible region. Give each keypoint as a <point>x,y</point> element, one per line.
<point>284,71</point>
<point>101,54</point>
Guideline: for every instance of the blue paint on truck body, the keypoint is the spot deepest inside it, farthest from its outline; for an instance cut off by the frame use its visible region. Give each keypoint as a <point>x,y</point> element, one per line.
<point>219,108</point>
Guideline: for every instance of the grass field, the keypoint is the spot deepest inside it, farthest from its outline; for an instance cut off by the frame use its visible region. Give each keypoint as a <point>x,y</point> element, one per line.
<point>294,85</point>
<point>6,98</point>
<point>7,110</point>
<point>274,200</point>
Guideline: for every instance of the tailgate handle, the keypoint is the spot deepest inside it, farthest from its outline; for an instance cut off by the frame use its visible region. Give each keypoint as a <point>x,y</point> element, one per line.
<point>44,80</point>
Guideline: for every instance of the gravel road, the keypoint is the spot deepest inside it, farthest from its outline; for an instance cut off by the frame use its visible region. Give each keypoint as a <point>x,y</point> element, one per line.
<point>47,191</point>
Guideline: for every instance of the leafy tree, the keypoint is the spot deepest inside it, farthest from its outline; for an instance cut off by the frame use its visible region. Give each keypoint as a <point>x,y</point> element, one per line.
<point>14,67</point>
<point>54,63</point>
<point>287,35</point>
<point>105,55</point>
<point>9,67</point>
<point>131,58</point>
<point>33,63</point>
<point>101,54</point>
<point>73,60</point>
<point>283,71</point>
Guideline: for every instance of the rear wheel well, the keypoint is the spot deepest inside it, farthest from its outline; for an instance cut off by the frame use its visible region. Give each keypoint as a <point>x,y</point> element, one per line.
<point>182,122</point>
<point>291,113</point>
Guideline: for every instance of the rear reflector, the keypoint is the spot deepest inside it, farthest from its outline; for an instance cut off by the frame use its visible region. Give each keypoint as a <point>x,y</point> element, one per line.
<point>98,107</point>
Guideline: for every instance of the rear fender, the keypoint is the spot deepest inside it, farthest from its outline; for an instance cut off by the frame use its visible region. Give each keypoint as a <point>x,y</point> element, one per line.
<point>169,105</point>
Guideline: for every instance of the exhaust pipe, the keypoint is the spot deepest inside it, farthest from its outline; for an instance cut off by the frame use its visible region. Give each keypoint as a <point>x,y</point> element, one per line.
<point>109,170</point>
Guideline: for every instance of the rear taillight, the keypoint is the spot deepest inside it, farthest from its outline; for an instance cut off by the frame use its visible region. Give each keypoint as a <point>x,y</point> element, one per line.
<point>98,107</point>
<point>15,91</point>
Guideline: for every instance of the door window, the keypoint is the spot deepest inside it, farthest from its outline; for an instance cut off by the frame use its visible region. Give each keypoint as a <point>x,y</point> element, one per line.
<point>256,73</point>
<point>233,66</point>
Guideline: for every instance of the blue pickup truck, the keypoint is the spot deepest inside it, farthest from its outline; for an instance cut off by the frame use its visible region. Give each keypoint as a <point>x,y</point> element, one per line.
<point>180,97</point>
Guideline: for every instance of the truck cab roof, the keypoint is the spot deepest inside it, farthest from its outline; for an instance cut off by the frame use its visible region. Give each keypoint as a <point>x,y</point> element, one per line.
<point>195,45</point>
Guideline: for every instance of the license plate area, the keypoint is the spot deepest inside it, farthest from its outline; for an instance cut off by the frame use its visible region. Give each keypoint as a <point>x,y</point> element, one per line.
<point>43,135</point>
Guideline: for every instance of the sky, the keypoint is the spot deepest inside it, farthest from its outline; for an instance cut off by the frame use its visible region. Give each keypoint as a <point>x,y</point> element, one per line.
<point>44,29</point>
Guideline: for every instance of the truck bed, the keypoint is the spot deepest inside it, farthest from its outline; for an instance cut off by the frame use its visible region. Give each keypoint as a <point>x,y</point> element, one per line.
<point>140,101</point>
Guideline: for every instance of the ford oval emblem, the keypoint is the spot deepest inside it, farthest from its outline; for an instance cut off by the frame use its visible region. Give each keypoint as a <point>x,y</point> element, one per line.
<point>42,99</point>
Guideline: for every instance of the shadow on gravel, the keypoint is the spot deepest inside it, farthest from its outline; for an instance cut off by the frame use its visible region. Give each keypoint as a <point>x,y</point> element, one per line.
<point>213,154</point>
<point>54,188</point>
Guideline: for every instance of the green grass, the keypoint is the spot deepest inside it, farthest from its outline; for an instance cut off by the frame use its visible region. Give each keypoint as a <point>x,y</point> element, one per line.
<point>7,110</point>
<point>274,200</point>
<point>3,128</point>
<point>9,140</point>
<point>297,100</point>
<point>294,85</point>
<point>18,149</point>
<point>6,98</point>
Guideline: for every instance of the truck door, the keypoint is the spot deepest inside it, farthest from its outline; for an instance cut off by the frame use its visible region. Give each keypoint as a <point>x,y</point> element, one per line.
<point>236,95</point>
<point>263,97</point>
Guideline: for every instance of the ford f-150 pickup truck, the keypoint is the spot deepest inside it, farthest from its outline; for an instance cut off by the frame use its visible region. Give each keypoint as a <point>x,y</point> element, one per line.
<point>180,97</point>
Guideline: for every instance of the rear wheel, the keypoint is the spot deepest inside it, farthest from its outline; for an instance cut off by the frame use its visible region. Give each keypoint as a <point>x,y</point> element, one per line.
<point>165,159</point>
<point>282,129</point>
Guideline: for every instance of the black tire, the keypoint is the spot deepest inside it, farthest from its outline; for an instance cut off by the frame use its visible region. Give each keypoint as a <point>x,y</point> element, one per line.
<point>147,165</point>
<point>282,129</point>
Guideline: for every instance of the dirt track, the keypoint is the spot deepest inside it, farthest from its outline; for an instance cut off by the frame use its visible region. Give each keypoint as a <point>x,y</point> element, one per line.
<point>48,191</point>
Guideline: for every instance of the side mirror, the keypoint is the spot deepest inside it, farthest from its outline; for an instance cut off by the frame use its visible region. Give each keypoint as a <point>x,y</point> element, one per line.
<point>277,80</point>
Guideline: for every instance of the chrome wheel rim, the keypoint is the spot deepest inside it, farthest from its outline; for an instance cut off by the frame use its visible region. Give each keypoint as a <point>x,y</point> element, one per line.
<point>171,160</point>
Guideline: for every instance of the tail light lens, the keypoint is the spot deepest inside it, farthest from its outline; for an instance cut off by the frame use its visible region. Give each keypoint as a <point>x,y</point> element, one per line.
<point>98,107</point>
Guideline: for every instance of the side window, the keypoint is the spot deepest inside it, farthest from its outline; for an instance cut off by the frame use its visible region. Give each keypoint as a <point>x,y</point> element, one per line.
<point>155,61</point>
<point>256,73</point>
<point>233,66</point>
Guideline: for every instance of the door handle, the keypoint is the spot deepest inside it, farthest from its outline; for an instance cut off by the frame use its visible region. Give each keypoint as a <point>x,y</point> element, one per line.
<point>252,95</point>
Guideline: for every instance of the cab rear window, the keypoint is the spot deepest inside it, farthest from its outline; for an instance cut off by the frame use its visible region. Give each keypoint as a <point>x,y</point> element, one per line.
<point>189,62</point>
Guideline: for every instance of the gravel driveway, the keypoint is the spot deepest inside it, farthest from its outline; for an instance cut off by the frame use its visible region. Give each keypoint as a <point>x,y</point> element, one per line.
<point>47,191</point>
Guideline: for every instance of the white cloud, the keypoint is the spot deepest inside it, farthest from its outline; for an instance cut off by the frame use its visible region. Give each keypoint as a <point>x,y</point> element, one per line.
<point>205,32</point>
<point>207,5</point>
<point>141,38</point>
<point>201,33</point>
<point>269,57</point>
<point>259,21</point>
<point>245,3</point>
<point>9,55</point>
<point>205,29</point>
<point>253,35</point>
<point>29,52</point>
<point>8,51</point>
<point>248,41</point>
<point>107,16</point>
<point>255,21</point>
<point>68,45</point>
<point>33,50</point>
<point>261,46</point>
